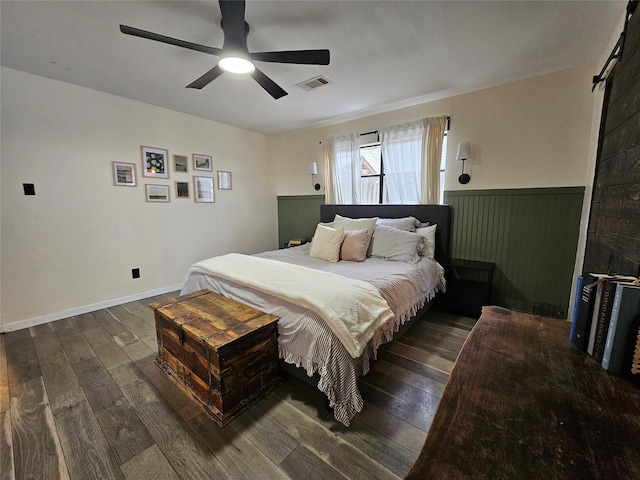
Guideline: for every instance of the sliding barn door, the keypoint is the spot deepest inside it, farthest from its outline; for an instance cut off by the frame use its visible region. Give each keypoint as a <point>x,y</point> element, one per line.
<point>613,237</point>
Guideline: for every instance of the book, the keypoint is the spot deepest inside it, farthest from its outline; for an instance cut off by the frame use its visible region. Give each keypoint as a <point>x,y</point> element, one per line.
<point>294,242</point>
<point>607,289</point>
<point>585,311</point>
<point>626,306</point>
<point>596,290</point>
<point>576,304</point>
<point>631,363</point>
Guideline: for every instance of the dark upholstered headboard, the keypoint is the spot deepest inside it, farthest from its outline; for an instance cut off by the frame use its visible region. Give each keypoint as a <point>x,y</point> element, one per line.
<point>435,214</point>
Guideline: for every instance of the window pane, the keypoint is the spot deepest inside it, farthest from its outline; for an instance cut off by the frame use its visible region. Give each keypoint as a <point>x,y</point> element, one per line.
<point>369,190</point>
<point>370,158</point>
<point>443,158</point>
<point>443,163</point>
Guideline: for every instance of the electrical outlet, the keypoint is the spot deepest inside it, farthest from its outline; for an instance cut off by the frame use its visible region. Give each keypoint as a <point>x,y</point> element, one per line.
<point>135,273</point>
<point>29,188</point>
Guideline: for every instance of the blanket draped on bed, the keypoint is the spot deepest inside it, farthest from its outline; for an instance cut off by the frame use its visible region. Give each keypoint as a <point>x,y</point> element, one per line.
<point>353,309</point>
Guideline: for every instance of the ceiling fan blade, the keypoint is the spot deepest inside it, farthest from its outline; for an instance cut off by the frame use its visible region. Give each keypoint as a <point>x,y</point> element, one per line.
<point>269,85</point>
<point>304,57</point>
<point>233,23</point>
<point>207,78</point>
<point>136,32</point>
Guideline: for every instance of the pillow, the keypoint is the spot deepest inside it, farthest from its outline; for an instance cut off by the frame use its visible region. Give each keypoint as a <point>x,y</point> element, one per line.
<point>326,243</point>
<point>407,223</point>
<point>368,224</point>
<point>397,245</point>
<point>354,245</point>
<point>429,234</point>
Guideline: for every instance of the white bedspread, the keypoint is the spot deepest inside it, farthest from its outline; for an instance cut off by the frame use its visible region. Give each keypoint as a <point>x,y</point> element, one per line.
<point>353,309</point>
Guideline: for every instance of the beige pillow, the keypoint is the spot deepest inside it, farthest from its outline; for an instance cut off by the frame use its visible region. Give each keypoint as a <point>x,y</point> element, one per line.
<point>368,224</point>
<point>354,245</point>
<point>326,243</point>
<point>429,234</point>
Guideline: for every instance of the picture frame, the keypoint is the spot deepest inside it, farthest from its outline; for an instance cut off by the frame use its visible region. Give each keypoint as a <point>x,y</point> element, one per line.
<point>156,193</point>
<point>182,189</point>
<point>224,180</point>
<point>181,164</point>
<point>124,174</point>
<point>202,162</point>
<point>203,190</point>
<point>155,162</point>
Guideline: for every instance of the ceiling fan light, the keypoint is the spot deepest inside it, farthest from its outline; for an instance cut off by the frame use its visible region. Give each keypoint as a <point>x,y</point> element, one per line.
<point>236,65</point>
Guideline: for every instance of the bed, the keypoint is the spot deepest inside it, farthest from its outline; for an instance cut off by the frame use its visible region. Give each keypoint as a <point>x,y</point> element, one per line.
<point>322,304</point>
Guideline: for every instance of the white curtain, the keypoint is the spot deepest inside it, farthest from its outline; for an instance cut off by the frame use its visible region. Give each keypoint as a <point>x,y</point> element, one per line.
<point>342,169</point>
<point>402,158</point>
<point>433,136</point>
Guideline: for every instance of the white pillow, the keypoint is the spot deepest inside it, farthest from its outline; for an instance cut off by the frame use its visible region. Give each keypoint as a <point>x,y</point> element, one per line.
<point>367,224</point>
<point>429,233</point>
<point>406,223</point>
<point>397,245</point>
<point>326,243</point>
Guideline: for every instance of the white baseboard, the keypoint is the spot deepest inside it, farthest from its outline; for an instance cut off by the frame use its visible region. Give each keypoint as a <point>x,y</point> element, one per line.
<point>32,322</point>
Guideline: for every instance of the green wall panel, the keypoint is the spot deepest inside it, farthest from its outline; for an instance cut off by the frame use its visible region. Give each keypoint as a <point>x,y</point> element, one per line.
<point>530,234</point>
<point>298,216</point>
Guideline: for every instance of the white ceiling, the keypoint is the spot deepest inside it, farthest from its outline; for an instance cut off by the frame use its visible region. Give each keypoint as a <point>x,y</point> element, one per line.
<point>384,54</point>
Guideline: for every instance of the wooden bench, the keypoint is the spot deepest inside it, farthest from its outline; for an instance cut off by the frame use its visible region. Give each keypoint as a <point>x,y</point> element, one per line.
<point>221,352</point>
<point>523,402</point>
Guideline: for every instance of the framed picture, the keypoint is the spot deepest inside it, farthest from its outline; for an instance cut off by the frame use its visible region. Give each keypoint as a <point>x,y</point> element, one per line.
<point>156,193</point>
<point>182,189</point>
<point>224,180</point>
<point>155,162</point>
<point>201,162</point>
<point>180,163</point>
<point>124,174</point>
<point>203,190</point>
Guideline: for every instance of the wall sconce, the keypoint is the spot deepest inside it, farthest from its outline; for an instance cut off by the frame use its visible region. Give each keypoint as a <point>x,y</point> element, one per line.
<point>464,152</point>
<point>313,170</point>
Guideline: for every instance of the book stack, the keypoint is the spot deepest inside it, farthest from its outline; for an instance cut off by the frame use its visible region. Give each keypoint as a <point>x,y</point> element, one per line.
<point>606,321</point>
<point>294,242</point>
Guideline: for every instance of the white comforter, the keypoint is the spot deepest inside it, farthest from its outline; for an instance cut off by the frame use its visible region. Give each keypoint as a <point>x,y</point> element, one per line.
<point>304,338</point>
<point>353,309</point>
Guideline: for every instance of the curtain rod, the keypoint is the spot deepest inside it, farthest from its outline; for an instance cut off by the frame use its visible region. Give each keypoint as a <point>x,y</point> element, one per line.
<point>376,131</point>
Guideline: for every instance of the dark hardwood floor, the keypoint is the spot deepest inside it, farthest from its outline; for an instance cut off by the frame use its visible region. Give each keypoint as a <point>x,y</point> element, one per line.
<point>81,398</point>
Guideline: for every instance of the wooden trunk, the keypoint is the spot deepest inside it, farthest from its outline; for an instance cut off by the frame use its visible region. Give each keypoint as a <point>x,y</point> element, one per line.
<point>220,351</point>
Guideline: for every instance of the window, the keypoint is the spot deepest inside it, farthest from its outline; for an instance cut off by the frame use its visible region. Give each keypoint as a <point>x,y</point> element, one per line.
<point>372,174</point>
<point>373,189</point>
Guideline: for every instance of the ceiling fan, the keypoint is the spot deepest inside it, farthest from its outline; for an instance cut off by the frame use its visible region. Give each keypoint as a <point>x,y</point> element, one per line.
<point>234,54</point>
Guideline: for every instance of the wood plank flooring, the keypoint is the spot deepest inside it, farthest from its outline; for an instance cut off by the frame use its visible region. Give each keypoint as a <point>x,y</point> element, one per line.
<point>81,398</point>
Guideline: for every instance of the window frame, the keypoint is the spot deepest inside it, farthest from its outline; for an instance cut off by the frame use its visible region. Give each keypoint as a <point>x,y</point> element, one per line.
<point>381,175</point>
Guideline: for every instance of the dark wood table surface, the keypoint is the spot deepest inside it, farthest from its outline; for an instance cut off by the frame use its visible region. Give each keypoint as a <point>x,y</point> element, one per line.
<point>523,402</point>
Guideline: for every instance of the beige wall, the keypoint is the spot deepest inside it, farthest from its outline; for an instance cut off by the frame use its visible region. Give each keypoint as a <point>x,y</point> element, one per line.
<point>71,247</point>
<point>526,134</point>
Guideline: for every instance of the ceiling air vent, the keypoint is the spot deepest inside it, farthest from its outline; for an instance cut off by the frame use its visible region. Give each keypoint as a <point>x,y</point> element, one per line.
<point>313,83</point>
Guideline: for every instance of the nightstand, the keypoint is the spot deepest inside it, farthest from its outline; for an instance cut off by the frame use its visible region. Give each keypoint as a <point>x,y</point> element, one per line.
<point>468,286</point>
